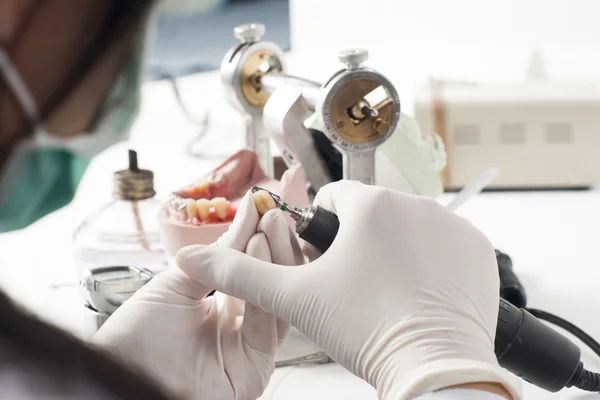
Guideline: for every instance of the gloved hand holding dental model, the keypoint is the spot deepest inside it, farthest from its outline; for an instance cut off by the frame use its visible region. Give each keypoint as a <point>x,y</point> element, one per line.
<point>405,298</point>
<point>213,348</point>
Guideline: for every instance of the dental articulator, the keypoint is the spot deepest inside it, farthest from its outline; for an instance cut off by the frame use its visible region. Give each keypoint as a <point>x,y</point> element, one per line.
<point>355,110</point>
<point>348,118</point>
<point>325,132</point>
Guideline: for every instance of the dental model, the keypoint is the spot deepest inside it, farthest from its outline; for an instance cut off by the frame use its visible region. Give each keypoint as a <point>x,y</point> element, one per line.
<point>201,212</point>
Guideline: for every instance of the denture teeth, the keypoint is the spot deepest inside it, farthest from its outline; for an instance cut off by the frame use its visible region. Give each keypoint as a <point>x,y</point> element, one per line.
<point>263,202</point>
<point>203,208</point>
<point>220,206</point>
<point>190,208</point>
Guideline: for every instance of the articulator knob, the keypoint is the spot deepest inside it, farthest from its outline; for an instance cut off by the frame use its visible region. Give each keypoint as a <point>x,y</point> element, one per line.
<point>249,33</point>
<point>353,58</point>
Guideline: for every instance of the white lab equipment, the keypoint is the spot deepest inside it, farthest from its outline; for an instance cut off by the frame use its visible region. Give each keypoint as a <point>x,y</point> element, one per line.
<point>539,133</point>
<point>105,289</point>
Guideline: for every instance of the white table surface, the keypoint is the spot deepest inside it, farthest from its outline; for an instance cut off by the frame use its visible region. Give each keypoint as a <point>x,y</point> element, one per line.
<point>551,236</point>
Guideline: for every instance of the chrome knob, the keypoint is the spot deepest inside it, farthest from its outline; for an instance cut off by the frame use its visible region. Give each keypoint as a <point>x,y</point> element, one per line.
<point>248,33</point>
<point>353,58</point>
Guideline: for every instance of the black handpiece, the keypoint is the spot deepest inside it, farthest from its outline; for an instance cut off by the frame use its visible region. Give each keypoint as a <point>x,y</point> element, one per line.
<point>523,345</point>
<point>318,227</point>
<point>533,351</point>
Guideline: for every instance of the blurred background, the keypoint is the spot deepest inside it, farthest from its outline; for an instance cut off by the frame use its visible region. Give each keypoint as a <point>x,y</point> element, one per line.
<point>461,39</point>
<point>516,81</point>
<point>510,85</point>
<point>190,36</point>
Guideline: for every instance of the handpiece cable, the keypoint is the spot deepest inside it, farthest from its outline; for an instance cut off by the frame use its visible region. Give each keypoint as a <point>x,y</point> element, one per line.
<point>513,292</point>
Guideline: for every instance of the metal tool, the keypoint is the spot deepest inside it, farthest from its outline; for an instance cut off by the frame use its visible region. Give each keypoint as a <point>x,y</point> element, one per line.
<point>524,345</point>
<point>314,224</point>
<point>357,109</point>
<point>105,289</point>
<point>241,72</point>
<point>315,358</point>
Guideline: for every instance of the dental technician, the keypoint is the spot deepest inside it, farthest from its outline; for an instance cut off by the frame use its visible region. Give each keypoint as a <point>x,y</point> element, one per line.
<point>406,298</point>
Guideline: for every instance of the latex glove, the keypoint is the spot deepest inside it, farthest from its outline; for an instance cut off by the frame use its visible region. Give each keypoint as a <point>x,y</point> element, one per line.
<point>406,297</point>
<point>213,348</point>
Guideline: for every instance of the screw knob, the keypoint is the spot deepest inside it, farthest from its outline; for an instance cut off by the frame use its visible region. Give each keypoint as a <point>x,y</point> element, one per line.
<point>249,33</point>
<point>353,58</point>
<point>381,126</point>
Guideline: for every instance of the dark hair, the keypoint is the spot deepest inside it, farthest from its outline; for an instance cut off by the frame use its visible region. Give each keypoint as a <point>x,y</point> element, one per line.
<point>58,354</point>
<point>123,16</point>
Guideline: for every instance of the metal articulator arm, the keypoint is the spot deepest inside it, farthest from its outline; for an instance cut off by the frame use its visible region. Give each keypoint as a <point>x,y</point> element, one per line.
<point>284,116</point>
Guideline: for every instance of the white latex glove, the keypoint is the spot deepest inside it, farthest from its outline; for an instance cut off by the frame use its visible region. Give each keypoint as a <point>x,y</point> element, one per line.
<point>213,348</point>
<point>406,297</point>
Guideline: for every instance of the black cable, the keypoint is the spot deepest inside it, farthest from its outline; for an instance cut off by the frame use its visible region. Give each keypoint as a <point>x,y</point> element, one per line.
<point>186,111</point>
<point>586,380</point>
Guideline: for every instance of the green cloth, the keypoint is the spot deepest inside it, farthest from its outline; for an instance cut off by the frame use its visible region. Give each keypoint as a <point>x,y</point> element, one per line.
<point>47,181</point>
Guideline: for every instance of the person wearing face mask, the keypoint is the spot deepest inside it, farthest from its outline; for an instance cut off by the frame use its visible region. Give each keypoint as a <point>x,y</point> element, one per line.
<point>70,74</point>
<point>412,322</point>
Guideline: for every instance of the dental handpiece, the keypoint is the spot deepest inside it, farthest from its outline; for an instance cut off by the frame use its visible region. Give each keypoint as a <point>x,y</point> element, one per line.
<point>314,224</point>
<point>524,345</point>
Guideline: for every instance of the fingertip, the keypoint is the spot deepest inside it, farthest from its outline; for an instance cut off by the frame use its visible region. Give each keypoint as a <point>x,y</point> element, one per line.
<point>213,267</point>
<point>258,247</point>
<point>285,249</point>
<point>236,274</point>
<point>248,201</point>
<point>272,217</point>
<point>242,227</point>
<point>189,255</point>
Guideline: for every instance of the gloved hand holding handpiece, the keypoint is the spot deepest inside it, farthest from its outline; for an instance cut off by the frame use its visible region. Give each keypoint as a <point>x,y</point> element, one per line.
<point>199,347</point>
<point>406,297</point>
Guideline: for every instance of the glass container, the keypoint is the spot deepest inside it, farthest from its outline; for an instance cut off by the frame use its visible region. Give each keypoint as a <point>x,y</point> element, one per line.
<point>123,232</point>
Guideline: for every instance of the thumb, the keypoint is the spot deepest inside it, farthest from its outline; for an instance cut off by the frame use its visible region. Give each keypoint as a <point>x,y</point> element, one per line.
<point>237,274</point>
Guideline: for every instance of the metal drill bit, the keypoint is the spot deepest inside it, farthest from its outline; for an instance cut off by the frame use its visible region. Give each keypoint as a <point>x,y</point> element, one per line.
<point>315,358</point>
<point>366,110</point>
<point>294,212</point>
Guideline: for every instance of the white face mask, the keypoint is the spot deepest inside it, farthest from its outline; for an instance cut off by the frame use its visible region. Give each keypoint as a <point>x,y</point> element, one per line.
<point>84,144</point>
